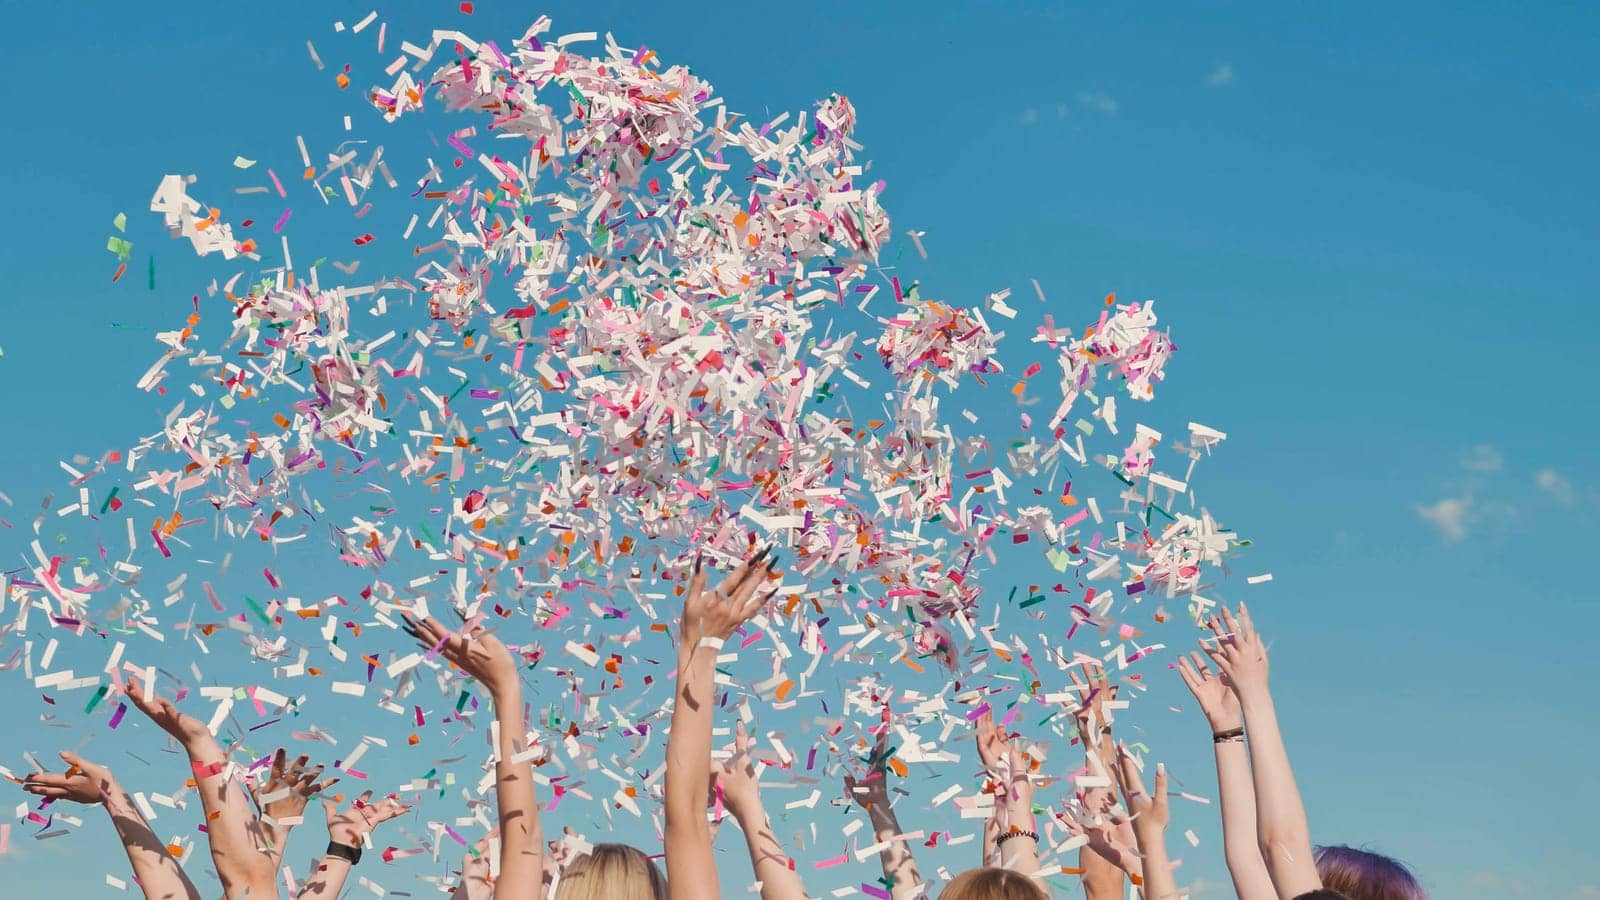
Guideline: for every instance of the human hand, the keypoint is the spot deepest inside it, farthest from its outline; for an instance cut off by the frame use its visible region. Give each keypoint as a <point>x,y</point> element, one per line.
<point>1239,652</point>
<point>83,782</point>
<point>476,651</point>
<point>1007,763</point>
<point>184,728</point>
<point>1149,812</point>
<point>475,874</point>
<point>284,793</point>
<point>1109,835</point>
<point>1213,692</point>
<point>871,791</point>
<point>736,777</point>
<point>350,825</point>
<point>716,614</point>
<point>1095,690</point>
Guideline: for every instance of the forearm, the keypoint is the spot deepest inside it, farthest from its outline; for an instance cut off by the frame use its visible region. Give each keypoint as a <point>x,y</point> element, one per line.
<point>899,866</point>
<point>1282,833</point>
<point>1019,849</point>
<point>691,871</point>
<point>767,859</point>
<point>521,832</point>
<point>1238,800</point>
<point>157,872</point>
<point>1156,871</point>
<point>243,863</point>
<point>327,881</point>
<point>1102,878</point>
<point>991,836</point>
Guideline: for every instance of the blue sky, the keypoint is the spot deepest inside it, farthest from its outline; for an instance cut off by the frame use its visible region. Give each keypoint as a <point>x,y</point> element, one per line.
<point>1371,232</point>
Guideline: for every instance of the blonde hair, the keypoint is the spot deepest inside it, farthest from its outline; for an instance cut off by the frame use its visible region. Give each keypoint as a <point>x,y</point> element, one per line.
<point>991,883</point>
<point>612,871</point>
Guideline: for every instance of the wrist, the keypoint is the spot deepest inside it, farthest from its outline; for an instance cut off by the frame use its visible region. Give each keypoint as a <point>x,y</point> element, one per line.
<point>1151,835</point>
<point>744,809</point>
<point>1252,695</point>
<point>1225,723</point>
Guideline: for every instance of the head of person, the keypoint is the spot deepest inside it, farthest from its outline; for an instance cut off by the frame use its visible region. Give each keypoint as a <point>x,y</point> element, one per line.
<point>611,871</point>
<point>1321,894</point>
<point>1363,875</point>
<point>991,883</point>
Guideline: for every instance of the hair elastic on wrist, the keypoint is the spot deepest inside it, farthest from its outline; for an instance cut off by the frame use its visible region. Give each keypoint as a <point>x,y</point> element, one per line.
<point>345,852</point>
<point>1232,734</point>
<point>1031,835</point>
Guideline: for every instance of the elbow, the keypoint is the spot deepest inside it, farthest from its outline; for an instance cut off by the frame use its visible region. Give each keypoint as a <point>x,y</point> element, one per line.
<point>1282,844</point>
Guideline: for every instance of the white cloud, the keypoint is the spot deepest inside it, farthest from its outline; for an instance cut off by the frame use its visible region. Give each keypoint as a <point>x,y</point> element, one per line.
<point>1494,885</point>
<point>1222,77</point>
<point>1030,116</point>
<point>1482,458</point>
<point>1098,101</point>
<point>1205,887</point>
<point>1448,515</point>
<point>1553,484</point>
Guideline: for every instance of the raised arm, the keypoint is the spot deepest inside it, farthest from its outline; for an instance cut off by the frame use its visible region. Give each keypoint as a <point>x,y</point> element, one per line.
<point>245,864</point>
<point>485,658</point>
<point>709,618</point>
<point>1281,829</point>
<point>1106,857</point>
<point>872,793</point>
<point>158,874</point>
<point>1238,796</point>
<point>1150,815</point>
<point>1016,834</point>
<point>739,786</point>
<point>347,833</point>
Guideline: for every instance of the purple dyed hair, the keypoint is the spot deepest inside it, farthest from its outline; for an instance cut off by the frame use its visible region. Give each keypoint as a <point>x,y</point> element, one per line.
<point>1364,875</point>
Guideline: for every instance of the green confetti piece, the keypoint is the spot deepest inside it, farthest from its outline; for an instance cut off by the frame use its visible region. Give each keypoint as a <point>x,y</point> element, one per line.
<point>122,248</point>
<point>256,608</point>
<point>99,694</point>
<point>432,541</point>
<point>461,701</point>
<point>107,505</point>
<point>152,273</point>
<point>121,221</point>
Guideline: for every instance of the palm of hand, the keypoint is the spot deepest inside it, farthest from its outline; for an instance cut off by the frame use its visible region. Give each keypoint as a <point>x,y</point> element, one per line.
<point>358,820</point>
<point>718,613</point>
<point>1212,690</point>
<point>736,776</point>
<point>1239,652</point>
<point>1096,690</point>
<point>290,787</point>
<point>993,748</point>
<point>83,782</point>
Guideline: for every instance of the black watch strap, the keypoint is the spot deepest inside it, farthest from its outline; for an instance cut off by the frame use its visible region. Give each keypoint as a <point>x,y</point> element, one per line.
<point>344,852</point>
